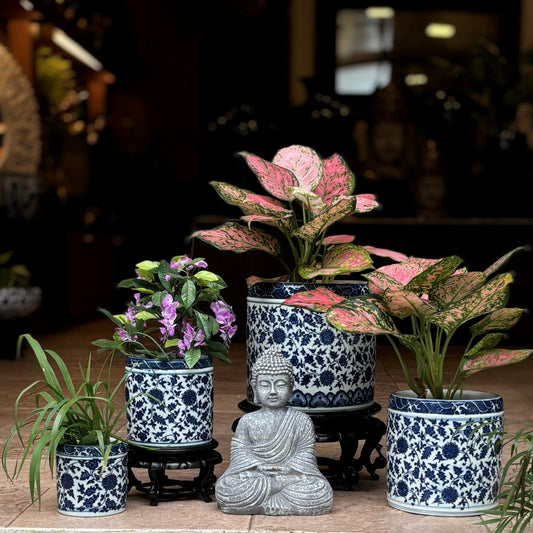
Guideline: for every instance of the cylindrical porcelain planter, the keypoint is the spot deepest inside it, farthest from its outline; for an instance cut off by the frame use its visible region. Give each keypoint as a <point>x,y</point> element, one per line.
<point>83,489</point>
<point>333,370</point>
<point>169,405</point>
<point>443,456</point>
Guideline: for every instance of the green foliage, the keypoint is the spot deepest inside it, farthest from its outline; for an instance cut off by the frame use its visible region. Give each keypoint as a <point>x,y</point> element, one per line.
<point>13,274</point>
<point>422,304</point>
<point>63,413</point>
<point>514,513</point>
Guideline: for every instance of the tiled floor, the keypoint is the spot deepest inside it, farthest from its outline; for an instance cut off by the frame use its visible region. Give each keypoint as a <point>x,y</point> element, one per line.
<point>362,510</point>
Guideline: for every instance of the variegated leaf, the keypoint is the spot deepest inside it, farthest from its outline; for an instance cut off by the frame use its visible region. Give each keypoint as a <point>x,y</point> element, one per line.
<point>492,296</point>
<point>230,193</point>
<point>500,320</point>
<point>383,252</point>
<point>379,282</point>
<point>488,342</point>
<point>275,179</point>
<point>366,203</point>
<point>341,259</point>
<point>252,280</point>
<point>404,303</point>
<point>304,163</point>
<point>337,239</point>
<point>401,273</point>
<point>329,215</point>
<point>233,237</point>
<point>364,314</point>
<point>311,201</point>
<point>273,212</point>
<point>502,260</point>
<point>337,179</point>
<point>494,358</point>
<point>434,275</point>
<point>457,287</point>
<point>320,299</point>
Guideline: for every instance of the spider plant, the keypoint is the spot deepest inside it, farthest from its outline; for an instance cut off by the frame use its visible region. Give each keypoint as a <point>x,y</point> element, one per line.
<point>64,413</point>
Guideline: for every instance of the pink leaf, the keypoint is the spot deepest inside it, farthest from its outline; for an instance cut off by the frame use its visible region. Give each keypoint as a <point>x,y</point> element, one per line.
<point>337,180</point>
<point>494,358</point>
<point>252,280</point>
<point>405,271</point>
<point>362,315</point>
<point>337,239</point>
<point>405,303</point>
<point>383,252</point>
<point>233,237</point>
<point>341,259</point>
<point>379,282</point>
<point>275,179</point>
<point>320,299</point>
<point>366,203</point>
<point>304,163</point>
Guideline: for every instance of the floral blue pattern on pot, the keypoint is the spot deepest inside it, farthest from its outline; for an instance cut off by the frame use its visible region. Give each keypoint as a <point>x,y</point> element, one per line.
<point>169,404</point>
<point>435,464</point>
<point>332,369</point>
<point>81,491</point>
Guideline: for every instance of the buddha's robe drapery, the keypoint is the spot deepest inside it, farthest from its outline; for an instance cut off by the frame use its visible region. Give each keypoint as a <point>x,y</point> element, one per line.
<point>300,488</point>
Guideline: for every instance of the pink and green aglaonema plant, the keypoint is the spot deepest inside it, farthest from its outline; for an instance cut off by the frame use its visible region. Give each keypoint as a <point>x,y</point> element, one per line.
<point>422,303</point>
<point>177,312</point>
<point>308,195</point>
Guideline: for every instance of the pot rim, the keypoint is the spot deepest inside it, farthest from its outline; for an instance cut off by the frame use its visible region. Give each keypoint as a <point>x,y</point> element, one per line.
<point>467,395</point>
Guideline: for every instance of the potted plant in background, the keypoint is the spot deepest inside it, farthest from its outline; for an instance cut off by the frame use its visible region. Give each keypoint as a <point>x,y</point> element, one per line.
<point>18,299</point>
<point>175,325</point>
<point>308,194</point>
<point>76,427</point>
<point>434,466</point>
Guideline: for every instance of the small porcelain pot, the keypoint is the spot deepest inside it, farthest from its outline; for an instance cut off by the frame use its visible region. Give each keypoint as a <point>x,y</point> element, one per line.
<point>169,405</point>
<point>443,456</point>
<point>83,489</point>
<point>333,369</point>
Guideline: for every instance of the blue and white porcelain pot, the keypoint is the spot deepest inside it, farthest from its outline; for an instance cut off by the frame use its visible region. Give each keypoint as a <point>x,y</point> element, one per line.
<point>169,405</point>
<point>333,370</point>
<point>443,456</point>
<point>82,488</point>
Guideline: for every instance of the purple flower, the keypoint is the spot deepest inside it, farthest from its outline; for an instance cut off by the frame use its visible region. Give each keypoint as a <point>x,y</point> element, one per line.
<point>124,335</point>
<point>177,265</point>
<point>168,311</point>
<point>225,317</point>
<point>191,338</point>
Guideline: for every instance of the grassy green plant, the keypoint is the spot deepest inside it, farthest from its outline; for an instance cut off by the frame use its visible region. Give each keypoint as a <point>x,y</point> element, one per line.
<point>515,510</point>
<point>63,413</point>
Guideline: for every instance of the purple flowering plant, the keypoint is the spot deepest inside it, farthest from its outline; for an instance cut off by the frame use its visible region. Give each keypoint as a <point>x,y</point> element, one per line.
<point>177,311</point>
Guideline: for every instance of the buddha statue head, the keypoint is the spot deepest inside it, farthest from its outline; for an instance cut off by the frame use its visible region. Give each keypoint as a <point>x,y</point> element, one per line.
<point>272,379</point>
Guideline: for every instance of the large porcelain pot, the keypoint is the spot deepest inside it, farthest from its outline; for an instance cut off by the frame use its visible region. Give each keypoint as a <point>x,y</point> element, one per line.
<point>333,370</point>
<point>168,404</point>
<point>443,456</point>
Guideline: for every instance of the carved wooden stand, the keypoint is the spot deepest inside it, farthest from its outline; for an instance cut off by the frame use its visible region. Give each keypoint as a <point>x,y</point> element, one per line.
<point>347,428</point>
<point>160,486</point>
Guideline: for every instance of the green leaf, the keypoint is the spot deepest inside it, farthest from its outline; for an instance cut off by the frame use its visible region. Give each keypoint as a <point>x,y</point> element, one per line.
<point>486,343</point>
<point>147,265</point>
<point>146,315</point>
<point>434,275</point>
<point>192,356</point>
<point>500,320</point>
<point>171,343</point>
<point>490,297</point>
<point>205,276</point>
<point>203,323</point>
<point>188,293</point>
<point>502,260</point>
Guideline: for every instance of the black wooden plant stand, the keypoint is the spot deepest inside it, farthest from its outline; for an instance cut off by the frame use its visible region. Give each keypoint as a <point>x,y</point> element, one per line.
<point>160,486</point>
<point>347,428</point>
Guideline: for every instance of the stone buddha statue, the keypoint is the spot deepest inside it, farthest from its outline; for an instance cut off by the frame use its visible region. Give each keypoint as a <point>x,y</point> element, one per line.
<point>273,468</point>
